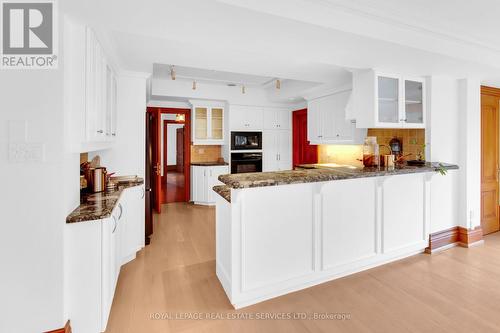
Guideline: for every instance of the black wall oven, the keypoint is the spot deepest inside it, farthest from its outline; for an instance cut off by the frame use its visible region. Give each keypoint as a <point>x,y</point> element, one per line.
<point>246,140</point>
<point>246,162</point>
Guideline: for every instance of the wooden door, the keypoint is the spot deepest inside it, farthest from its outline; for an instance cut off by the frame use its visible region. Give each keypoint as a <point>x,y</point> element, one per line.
<point>303,152</point>
<point>148,182</point>
<point>180,150</point>
<point>156,154</point>
<point>489,162</point>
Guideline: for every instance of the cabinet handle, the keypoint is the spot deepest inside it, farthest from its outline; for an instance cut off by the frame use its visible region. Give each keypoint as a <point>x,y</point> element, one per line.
<point>121,211</point>
<point>116,224</point>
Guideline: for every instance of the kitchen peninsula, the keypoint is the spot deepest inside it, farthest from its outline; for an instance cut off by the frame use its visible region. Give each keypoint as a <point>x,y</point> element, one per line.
<point>278,232</point>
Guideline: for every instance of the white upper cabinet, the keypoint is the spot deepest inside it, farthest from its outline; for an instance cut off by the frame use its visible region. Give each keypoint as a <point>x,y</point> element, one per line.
<point>90,90</point>
<point>277,118</point>
<point>246,118</point>
<point>327,123</point>
<point>207,120</point>
<point>388,101</point>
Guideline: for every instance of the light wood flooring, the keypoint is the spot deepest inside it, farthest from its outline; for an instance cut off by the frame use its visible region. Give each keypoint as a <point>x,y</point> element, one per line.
<point>457,290</point>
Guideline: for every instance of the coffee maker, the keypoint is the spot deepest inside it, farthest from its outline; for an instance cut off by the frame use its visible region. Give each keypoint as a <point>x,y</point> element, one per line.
<point>396,147</point>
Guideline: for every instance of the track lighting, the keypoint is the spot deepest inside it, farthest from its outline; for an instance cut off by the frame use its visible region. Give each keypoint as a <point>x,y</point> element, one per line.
<point>194,85</point>
<point>278,84</point>
<point>172,72</point>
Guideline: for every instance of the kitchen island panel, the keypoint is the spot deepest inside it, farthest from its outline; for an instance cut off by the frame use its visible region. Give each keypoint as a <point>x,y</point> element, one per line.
<point>348,224</point>
<point>267,257</point>
<point>403,212</point>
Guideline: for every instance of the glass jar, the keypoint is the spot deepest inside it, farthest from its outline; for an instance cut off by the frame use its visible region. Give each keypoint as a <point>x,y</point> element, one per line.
<point>371,156</point>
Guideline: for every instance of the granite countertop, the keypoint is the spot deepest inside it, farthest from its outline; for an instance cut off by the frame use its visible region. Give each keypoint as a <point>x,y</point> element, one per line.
<point>215,163</point>
<point>96,206</point>
<point>316,173</point>
<point>224,191</point>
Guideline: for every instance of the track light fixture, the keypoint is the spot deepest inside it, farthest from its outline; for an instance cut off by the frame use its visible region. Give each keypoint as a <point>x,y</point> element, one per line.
<point>278,84</point>
<point>172,72</point>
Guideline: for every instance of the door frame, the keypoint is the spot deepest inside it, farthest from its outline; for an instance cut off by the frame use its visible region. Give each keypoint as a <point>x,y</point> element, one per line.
<point>187,142</point>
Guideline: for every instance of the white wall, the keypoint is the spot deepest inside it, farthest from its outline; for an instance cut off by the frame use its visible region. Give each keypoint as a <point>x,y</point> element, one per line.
<point>453,137</point>
<point>127,157</point>
<point>36,198</point>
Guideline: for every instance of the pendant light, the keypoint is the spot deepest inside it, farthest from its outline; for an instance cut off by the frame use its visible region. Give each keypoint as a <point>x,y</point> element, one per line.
<point>172,72</point>
<point>278,84</point>
<point>194,85</point>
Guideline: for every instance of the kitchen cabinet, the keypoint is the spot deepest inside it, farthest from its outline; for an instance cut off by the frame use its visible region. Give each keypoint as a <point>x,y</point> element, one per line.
<point>277,150</point>
<point>388,101</point>
<point>131,210</point>
<point>203,179</point>
<point>207,123</point>
<point>100,92</point>
<point>90,90</point>
<point>94,252</point>
<point>246,118</point>
<point>277,118</point>
<point>327,123</point>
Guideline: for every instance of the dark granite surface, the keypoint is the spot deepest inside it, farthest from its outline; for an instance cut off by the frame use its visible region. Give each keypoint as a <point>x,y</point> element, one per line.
<point>96,206</point>
<point>316,173</point>
<point>209,163</point>
<point>224,191</point>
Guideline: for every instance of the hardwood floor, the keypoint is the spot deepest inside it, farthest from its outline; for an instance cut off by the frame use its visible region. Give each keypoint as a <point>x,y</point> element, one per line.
<point>456,290</point>
<point>173,187</point>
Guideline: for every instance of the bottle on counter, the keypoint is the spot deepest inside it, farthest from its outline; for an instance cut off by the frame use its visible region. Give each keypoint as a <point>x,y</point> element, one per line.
<point>371,155</point>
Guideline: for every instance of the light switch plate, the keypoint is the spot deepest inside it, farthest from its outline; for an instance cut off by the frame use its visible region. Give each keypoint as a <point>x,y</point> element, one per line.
<point>21,152</point>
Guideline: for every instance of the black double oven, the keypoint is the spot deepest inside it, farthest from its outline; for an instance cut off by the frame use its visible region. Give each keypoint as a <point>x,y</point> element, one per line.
<point>246,152</point>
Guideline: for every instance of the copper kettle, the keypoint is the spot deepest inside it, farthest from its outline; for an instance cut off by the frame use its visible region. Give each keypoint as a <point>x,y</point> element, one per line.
<point>96,179</point>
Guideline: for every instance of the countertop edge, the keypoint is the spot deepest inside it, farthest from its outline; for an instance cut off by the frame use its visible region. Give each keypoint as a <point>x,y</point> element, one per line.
<point>76,217</point>
<point>325,175</point>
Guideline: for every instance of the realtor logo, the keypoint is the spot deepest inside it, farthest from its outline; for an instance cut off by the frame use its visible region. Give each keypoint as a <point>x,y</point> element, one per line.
<point>28,34</point>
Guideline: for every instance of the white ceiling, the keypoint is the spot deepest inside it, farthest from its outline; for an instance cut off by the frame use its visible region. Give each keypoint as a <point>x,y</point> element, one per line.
<point>305,40</point>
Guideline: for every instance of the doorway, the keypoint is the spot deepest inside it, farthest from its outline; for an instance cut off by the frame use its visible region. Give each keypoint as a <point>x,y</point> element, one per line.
<point>303,151</point>
<point>490,105</point>
<point>173,159</point>
<point>159,165</point>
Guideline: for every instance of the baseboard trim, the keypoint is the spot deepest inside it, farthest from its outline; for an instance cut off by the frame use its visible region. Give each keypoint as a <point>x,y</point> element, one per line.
<point>65,329</point>
<point>456,236</point>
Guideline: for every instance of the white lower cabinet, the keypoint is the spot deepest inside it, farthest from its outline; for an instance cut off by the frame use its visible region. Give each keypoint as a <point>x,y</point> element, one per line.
<point>203,179</point>
<point>94,253</point>
<point>277,150</point>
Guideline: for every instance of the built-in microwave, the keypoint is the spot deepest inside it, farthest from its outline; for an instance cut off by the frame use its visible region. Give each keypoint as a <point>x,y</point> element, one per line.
<point>246,140</point>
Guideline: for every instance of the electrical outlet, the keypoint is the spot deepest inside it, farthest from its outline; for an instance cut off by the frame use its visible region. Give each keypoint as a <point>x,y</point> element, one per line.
<point>26,152</point>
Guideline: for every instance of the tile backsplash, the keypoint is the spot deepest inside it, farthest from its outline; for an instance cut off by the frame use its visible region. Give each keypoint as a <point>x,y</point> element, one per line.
<point>412,139</point>
<point>205,153</point>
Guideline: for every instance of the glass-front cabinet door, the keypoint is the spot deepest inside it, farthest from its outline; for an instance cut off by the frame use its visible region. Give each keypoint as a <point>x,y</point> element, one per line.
<point>414,102</point>
<point>217,123</point>
<point>388,99</point>
<point>207,124</point>
<point>201,123</point>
